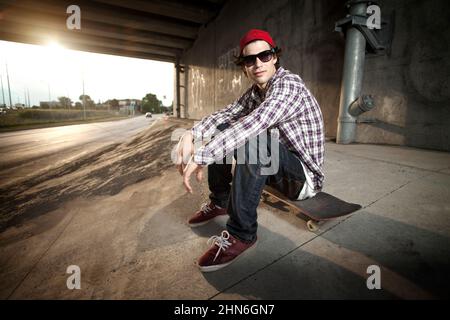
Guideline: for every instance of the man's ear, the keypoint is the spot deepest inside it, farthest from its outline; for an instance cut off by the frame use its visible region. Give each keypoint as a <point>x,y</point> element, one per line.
<point>275,59</point>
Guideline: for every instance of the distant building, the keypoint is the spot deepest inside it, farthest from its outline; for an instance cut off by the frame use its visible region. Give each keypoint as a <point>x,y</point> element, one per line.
<point>129,106</point>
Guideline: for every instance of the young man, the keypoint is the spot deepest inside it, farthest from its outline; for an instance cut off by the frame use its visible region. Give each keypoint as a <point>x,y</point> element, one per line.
<point>277,101</point>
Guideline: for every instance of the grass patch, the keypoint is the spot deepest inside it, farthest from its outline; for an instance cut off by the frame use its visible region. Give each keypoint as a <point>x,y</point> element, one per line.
<point>38,118</point>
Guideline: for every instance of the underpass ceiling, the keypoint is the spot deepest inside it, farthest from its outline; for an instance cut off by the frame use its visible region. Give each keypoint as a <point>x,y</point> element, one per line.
<point>157,30</point>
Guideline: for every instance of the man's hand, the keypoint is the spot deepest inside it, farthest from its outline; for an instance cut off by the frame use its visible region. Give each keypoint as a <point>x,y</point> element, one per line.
<point>184,152</point>
<point>191,168</point>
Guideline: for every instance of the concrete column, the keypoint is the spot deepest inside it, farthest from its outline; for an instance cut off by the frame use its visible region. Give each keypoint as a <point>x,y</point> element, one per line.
<point>177,89</point>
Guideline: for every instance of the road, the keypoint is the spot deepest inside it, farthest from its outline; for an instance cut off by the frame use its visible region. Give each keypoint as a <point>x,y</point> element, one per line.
<point>27,151</point>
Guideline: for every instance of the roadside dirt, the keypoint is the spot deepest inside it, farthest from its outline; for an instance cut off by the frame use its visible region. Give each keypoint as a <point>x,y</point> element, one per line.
<point>104,172</point>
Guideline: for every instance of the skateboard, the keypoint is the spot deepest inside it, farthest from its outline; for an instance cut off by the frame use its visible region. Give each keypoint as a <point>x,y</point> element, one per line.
<point>318,209</point>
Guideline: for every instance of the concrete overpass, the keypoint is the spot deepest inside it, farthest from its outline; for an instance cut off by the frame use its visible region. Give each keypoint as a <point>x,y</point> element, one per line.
<point>157,30</point>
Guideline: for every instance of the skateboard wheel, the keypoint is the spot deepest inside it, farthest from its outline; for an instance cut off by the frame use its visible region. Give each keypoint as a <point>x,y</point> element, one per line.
<point>312,226</point>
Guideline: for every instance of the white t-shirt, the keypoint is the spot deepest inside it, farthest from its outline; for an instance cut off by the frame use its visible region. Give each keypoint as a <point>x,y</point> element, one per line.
<point>308,189</point>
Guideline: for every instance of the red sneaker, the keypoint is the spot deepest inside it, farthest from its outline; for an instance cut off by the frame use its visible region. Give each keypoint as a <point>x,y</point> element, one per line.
<point>224,250</point>
<point>205,214</point>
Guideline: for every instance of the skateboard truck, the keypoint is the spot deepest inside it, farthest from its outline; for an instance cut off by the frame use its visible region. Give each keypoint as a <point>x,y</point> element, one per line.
<point>318,209</point>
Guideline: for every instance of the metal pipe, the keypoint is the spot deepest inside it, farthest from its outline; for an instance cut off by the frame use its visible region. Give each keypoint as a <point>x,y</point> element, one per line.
<point>353,72</point>
<point>362,104</point>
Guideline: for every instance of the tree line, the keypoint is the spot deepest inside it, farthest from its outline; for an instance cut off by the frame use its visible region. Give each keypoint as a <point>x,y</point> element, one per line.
<point>149,103</point>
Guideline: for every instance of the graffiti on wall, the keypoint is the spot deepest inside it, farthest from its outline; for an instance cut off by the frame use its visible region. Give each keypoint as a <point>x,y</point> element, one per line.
<point>214,89</point>
<point>229,78</point>
<point>198,87</point>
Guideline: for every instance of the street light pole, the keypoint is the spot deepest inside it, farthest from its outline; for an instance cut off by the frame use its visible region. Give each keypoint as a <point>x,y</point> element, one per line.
<point>3,92</point>
<point>9,88</point>
<point>84,102</point>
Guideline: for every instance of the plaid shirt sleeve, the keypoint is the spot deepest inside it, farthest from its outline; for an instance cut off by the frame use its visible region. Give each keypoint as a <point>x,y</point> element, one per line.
<point>207,126</point>
<point>283,101</point>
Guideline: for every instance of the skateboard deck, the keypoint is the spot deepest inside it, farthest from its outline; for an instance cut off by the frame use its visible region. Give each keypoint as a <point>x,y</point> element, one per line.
<point>321,207</point>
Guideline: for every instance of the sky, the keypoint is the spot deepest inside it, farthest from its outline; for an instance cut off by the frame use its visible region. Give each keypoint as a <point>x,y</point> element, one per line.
<point>55,71</point>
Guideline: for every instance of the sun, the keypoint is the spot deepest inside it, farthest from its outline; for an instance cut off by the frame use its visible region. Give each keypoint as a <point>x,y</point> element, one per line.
<point>54,46</point>
<point>53,58</point>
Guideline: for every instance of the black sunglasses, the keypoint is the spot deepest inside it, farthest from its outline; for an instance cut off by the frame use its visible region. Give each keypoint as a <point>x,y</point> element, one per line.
<point>264,56</point>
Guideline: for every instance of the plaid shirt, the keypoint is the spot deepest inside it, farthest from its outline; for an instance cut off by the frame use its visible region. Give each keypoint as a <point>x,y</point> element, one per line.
<point>288,106</point>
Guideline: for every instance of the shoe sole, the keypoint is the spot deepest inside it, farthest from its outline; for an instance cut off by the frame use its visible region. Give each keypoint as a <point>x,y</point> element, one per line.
<point>221,266</point>
<point>198,224</point>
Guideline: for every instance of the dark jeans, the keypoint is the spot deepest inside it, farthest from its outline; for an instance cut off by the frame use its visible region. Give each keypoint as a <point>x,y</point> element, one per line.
<point>241,193</point>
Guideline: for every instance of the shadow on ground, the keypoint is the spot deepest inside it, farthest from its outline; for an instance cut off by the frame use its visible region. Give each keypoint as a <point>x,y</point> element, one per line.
<point>412,253</point>
<point>414,264</point>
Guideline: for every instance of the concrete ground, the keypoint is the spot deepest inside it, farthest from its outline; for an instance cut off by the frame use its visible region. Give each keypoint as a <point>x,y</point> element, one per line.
<point>136,244</point>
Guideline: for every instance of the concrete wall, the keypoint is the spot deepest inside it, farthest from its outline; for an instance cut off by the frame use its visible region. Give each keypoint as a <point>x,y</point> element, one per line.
<point>411,84</point>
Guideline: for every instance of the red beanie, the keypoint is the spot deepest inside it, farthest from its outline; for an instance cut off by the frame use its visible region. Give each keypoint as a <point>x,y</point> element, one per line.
<point>255,34</point>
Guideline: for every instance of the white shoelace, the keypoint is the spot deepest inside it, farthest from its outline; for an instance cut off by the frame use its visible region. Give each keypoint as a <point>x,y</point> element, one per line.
<point>220,241</point>
<point>205,208</point>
